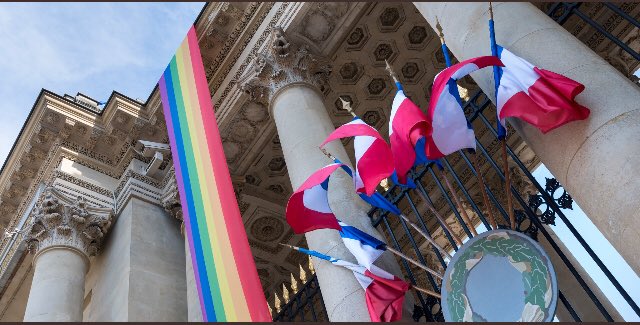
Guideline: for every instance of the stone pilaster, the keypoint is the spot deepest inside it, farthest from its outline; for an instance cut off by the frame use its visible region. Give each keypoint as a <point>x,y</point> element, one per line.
<point>172,205</point>
<point>63,234</point>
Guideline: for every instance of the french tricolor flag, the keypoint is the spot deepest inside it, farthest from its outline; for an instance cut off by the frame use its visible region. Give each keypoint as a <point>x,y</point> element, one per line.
<point>408,129</point>
<point>540,97</point>
<point>376,199</point>
<point>450,131</point>
<point>373,155</point>
<point>384,292</point>
<point>308,207</point>
<point>363,246</point>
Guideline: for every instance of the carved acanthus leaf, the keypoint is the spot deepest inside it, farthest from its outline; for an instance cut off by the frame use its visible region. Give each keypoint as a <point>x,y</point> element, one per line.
<point>281,64</point>
<point>62,221</point>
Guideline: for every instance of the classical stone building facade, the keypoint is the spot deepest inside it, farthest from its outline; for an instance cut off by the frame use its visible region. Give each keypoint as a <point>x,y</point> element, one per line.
<point>88,198</point>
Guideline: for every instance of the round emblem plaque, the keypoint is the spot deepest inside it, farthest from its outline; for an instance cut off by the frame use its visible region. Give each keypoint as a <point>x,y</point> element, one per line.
<point>500,276</point>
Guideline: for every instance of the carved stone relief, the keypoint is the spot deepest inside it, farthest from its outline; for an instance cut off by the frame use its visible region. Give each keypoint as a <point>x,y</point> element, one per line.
<point>62,221</point>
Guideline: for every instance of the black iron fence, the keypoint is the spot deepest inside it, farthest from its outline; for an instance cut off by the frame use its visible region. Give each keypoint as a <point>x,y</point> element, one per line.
<point>306,305</point>
<point>535,212</point>
<point>610,29</point>
<point>530,218</point>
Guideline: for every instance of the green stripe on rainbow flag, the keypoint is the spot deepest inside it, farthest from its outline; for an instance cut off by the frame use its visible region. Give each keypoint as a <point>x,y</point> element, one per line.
<point>222,259</point>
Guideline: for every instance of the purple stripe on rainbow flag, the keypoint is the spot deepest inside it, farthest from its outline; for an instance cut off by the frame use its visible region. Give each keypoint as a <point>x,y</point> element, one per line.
<point>225,272</point>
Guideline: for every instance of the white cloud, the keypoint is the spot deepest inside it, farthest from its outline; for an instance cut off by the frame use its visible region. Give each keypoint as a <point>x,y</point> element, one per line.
<point>93,48</point>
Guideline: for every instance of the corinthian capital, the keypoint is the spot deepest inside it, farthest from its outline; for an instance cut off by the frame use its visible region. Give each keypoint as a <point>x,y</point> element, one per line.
<point>283,63</point>
<point>62,221</point>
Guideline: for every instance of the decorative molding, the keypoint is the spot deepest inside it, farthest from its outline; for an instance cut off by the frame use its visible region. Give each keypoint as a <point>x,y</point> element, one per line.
<point>62,221</point>
<point>284,63</point>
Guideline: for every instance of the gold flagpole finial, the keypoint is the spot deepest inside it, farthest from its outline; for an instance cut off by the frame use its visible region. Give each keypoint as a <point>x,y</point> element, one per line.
<point>439,28</point>
<point>287,245</point>
<point>390,70</point>
<point>347,106</point>
<point>327,153</point>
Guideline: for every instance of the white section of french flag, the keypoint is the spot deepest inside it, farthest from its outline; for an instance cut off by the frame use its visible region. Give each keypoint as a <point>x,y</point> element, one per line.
<point>450,131</point>
<point>308,207</point>
<point>366,248</point>
<point>540,97</point>
<point>384,292</point>
<point>373,155</point>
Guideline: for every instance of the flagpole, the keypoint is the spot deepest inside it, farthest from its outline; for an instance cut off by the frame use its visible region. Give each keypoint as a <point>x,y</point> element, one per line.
<point>465,216</point>
<point>426,236</point>
<point>416,227</point>
<point>414,262</point>
<point>429,292</point>
<point>440,218</point>
<point>424,198</point>
<point>479,176</point>
<point>501,135</point>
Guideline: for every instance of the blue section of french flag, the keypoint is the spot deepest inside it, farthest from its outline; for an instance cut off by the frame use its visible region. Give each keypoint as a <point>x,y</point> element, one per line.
<point>363,246</point>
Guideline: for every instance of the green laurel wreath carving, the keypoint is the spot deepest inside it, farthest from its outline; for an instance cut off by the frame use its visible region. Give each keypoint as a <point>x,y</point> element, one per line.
<point>535,277</point>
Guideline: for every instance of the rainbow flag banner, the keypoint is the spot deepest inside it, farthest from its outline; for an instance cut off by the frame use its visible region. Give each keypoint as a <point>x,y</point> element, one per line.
<point>226,275</point>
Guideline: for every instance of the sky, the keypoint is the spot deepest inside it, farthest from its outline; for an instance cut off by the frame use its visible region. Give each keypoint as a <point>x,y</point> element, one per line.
<point>92,48</point>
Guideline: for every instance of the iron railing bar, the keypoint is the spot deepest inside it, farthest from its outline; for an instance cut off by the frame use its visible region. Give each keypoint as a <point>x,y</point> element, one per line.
<point>310,299</point>
<point>611,37</point>
<point>465,192</point>
<point>495,201</point>
<point>447,198</point>
<point>552,203</point>
<point>567,305</point>
<point>300,310</point>
<point>444,228</point>
<point>624,15</point>
<point>418,253</point>
<point>405,263</point>
<point>566,15</point>
<point>426,230</point>
<point>423,224</point>
<point>488,157</point>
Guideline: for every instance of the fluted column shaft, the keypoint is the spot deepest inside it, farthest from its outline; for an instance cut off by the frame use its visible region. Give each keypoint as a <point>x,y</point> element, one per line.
<point>595,159</point>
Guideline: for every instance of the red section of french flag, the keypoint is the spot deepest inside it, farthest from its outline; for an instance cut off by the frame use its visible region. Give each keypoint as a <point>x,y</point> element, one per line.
<point>406,126</point>
<point>384,295</point>
<point>540,97</point>
<point>373,155</point>
<point>449,129</point>
<point>308,207</point>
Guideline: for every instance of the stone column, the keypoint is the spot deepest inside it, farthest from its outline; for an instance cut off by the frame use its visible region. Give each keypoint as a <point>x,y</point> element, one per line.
<point>595,159</point>
<point>174,208</point>
<point>64,233</point>
<point>290,81</point>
